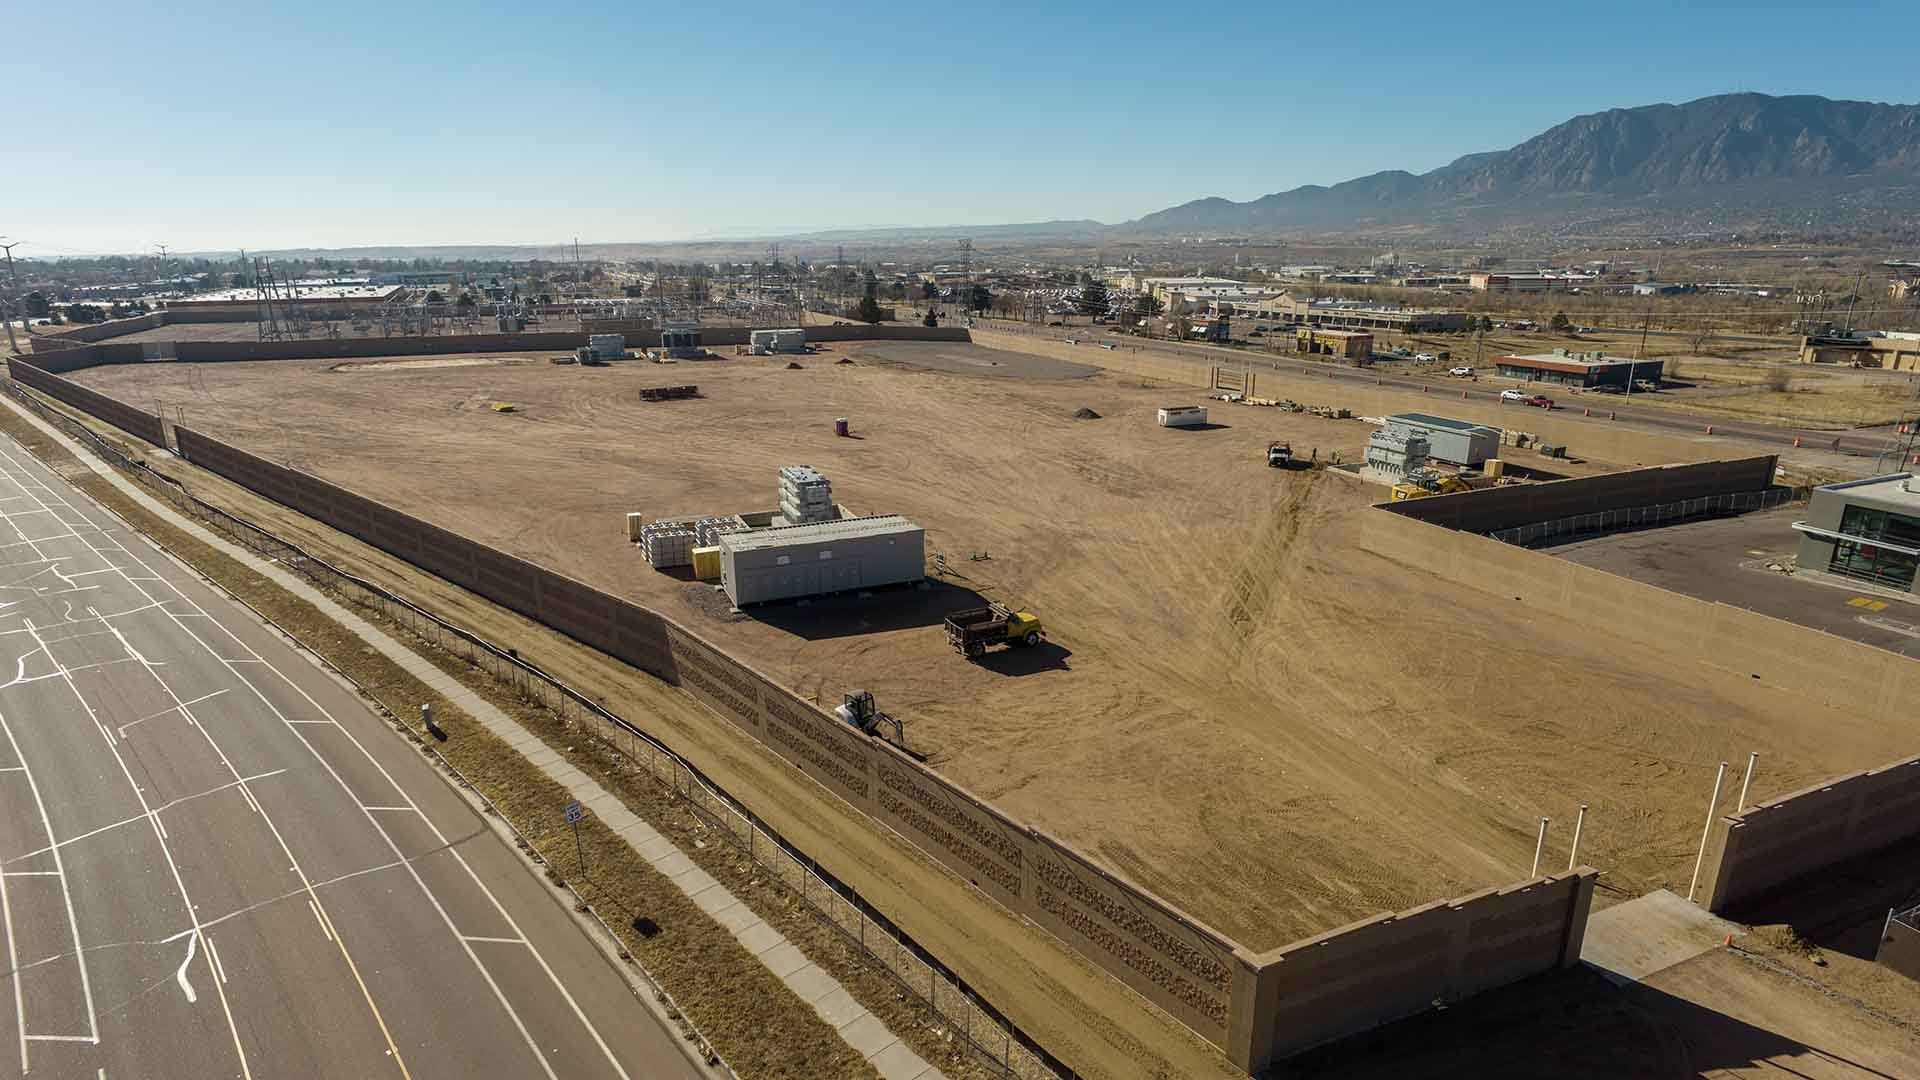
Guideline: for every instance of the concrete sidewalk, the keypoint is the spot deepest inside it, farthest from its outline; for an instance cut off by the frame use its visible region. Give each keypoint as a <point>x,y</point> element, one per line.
<point>862,1030</point>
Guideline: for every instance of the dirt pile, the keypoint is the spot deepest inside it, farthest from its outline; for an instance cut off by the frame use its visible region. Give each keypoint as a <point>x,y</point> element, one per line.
<point>1084,413</point>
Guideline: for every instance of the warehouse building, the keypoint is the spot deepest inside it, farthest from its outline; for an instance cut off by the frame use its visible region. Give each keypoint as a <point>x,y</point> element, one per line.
<point>1868,530</point>
<point>790,561</point>
<point>1563,368</point>
<point>1455,442</point>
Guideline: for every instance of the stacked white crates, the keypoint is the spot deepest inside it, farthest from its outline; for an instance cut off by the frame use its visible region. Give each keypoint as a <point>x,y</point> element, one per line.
<point>667,543</point>
<point>806,496</point>
<point>707,531</point>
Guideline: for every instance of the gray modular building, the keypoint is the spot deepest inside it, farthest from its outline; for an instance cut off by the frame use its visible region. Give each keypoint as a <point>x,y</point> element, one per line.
<point>823,557</point>
<point>1456,442</point>
<point>1868,530</point>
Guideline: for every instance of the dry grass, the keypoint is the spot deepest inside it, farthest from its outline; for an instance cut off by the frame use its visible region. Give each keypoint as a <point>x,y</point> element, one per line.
<point>753,1020</point>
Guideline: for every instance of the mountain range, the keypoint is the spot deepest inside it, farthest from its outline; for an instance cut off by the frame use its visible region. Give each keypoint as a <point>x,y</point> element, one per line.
<point>1734,160</point>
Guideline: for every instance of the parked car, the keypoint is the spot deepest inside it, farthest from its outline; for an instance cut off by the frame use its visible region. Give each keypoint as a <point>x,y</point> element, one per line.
<point>1645,386</point>
<point>1586,330</point>
<point>1538,400</point>
<point>1424,358</point>
<point>1514,395</point>
<point>1461,372</point>
<point>1607,388</point>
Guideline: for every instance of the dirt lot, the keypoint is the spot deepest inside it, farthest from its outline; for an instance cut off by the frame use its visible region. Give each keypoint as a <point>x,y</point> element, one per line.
<point>1241,710</point>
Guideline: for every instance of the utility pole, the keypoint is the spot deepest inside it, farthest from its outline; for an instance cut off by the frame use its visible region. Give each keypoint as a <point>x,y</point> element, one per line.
<point>6,310</point>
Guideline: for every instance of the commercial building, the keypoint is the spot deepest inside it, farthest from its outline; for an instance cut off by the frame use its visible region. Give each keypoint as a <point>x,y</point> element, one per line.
<point>1162,288</point>
<point>1868,530</point>
<point>1486,281</point>
<point>1563,368</point>
<point>1345,344</point>
<point>1350,315</point>
<point>1893,350</point>
<point>1456,442</point>
<point>832,556</point>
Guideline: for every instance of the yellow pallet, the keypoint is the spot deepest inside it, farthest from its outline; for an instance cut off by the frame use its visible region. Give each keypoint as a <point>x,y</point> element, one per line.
<point>503,406</point>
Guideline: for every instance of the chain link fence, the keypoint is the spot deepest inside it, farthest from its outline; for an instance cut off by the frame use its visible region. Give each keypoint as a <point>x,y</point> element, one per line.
<point>1561,530</point>
<point>991,1037</point>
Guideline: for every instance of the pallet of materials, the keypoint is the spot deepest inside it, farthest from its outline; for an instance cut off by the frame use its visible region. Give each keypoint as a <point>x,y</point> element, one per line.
<point>668,393</point>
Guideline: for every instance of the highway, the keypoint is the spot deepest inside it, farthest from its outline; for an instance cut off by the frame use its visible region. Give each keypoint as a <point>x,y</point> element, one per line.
<point>216,861</point>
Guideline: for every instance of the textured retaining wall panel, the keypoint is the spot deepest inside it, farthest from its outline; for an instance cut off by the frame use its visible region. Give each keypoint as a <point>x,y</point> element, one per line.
<point>1171,958</point>
<point>973,839</point>
<point>1381,969</point>
<point>1769,846</point>
<point>133,421</point>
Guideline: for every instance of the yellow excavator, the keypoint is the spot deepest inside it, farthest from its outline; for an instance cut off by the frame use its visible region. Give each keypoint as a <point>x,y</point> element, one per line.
<point>1421,483</point>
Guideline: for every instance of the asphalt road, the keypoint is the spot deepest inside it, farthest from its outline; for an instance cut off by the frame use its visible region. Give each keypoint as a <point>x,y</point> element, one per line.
<point>216,861</point>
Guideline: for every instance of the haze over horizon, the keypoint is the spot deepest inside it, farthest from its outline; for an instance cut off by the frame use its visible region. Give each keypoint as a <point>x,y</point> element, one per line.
<point>359,125</point>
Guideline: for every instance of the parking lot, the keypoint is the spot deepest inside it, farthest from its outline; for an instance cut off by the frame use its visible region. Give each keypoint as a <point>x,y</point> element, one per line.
<point>1726,560</point>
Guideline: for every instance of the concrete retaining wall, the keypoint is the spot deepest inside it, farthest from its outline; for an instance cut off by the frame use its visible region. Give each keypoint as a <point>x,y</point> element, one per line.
<point>1488,509</point>
<point>615,627</point>
<point>529,342</point>
<point>125,417</point>
<point>1391,966</point>
<point>1256,1008</point>
<point>100,331</point>
<point>1756,852</point>
<point>1781,654</point>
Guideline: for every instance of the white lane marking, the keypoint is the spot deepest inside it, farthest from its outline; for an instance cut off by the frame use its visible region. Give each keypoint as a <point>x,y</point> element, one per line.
<point>254,657</point>
<point>31,873</point>
<point>499,994</point>
<point>180,973</point>
<point>63,1038</point>
<point>315,908</point>
<point>169,709</point>
<point>392,809</point>
<point>13,965</point>
<point>142,817</point>
<point>494,940</point>
<point>173,867</point>
<point>59,866</point>
<point>219,968</point>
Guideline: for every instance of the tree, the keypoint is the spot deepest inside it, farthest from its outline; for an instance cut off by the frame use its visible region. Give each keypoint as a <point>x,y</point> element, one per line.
<point>979,298</point>
<point>434,297</point>
<point>1147,305</point>
<point>868,310</point>
<point>932,318</point>
<point>37,305</point>
<point>1093,299</point>
<point>85,313</point>
<point>927,291</point>
<point>466,299</point>
<point>1559,324</point>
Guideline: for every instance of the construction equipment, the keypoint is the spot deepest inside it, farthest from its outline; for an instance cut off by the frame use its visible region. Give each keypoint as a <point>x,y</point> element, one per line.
<point>856,710</point>
<point>971,631</point>
<point>504,406</point>
<point>1279,455</point>
<point>668,393</point>
<point>1421,483</point>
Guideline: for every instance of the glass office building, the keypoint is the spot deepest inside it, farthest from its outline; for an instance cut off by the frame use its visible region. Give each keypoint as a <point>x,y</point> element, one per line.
<point>1868,530</point>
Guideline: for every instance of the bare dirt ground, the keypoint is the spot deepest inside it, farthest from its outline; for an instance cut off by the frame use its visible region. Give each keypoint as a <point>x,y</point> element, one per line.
<point>1239,709</point>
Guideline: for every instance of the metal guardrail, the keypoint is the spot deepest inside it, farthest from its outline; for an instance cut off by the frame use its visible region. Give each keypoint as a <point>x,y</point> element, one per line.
<point>993,1038</point>
<point>1563,529</point>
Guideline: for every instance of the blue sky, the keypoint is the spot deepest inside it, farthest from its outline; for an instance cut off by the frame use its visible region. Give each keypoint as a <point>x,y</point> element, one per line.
<point>338,124</point>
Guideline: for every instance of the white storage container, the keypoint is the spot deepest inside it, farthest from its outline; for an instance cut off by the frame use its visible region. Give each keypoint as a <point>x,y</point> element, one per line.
<point>1183,416</point>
